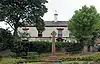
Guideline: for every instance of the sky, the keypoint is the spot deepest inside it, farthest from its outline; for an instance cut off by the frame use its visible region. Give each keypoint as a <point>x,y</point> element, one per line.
<point>64,8</point>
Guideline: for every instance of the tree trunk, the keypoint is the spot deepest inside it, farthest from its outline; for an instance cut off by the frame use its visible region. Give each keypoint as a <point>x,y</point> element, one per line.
<point>16,26</point>
<point>39,34</point>
<point>15,32</point>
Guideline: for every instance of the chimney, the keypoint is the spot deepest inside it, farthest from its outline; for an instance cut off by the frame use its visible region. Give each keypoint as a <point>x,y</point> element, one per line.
<point>55,16</point>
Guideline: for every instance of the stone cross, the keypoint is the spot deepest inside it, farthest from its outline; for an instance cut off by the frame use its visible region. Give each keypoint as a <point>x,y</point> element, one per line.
<point>53,42</point>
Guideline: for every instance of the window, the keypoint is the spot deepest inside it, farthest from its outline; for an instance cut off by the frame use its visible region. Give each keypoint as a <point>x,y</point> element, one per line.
<point>59,38</point>
<point>60,32</point>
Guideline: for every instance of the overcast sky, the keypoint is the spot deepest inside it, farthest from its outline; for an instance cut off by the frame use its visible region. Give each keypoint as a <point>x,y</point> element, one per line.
<point>66,8</point>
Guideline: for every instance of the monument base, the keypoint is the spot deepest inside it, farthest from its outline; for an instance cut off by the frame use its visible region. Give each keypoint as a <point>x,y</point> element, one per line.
<point>52,58</point>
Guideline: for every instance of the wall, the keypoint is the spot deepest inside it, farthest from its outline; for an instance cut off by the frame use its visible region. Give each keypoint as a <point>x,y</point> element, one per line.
<point>47,33</point>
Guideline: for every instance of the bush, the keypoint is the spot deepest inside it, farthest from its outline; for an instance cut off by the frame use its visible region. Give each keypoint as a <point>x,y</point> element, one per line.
<point>20,48</point>
<point>11,54</point>
<point>43,46</point>
<point>8,53</point>
<point>71,47</point>
<point>6,39</point>
<point>0,57</point>
<point>31,55</point>
<point>93,57</point>
<point>75,63</point>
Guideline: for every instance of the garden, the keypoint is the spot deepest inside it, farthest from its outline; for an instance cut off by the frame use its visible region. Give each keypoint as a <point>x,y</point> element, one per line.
<point>84,26</point>
<point>42,50</point>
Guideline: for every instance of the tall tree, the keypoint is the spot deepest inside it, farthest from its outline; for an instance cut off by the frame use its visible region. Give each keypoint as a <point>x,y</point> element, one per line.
<point>83,24</point>
<point>17,12</point>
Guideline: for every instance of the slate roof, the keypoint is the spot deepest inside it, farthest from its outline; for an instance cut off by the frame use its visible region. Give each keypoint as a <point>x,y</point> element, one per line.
<point>56,24</point>
<point>52,24</point>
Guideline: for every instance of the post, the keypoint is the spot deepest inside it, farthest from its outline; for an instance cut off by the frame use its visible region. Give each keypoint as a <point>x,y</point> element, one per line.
<point>53,43</point>
<point>53,57</point>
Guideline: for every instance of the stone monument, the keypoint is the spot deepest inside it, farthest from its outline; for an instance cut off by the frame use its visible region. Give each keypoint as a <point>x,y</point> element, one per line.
<point>53,57</point>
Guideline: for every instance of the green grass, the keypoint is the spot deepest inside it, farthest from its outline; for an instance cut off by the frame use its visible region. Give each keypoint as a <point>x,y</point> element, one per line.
<point>9,60</point>
<point>73,62</point>
<point>65,62</point>
<point>33,63</point>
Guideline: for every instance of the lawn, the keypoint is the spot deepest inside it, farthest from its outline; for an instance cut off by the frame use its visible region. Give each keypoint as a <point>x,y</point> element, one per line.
<point>14,61</point>
<point>66,62</point>
<point>84,61</point>
<point>33,63</point>
<point>9,60</point>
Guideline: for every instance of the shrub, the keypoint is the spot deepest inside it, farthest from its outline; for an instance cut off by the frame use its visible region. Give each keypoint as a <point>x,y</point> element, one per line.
<point>75,63</point>
<point>92,57</point>
<point>71,47</point>
<point>39,46</point>
<point>31,55</point>
<point>6,39</point>
<point>0,57</point>
<point>8,53</point>
<point>43,46</point>
<point>11,54</point>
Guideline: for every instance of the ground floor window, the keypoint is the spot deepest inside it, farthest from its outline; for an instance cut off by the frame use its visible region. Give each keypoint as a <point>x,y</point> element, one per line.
<point>59,38</point>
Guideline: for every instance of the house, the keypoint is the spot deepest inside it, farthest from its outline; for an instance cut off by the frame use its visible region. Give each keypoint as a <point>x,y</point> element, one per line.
<point>60,27</point>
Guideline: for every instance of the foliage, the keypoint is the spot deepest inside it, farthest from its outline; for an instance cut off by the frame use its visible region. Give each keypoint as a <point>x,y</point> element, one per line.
<point>0,57</point>
<point>74,47</point>
<point>6,39</point>
<point>78,62</point>
<point>31,55</point>
<point>83,24</point>
<point>20,12</point>
<point>8,54</point>
<point>92,57</point>
<point>20,48</point>
<point>43,46</point>
<point>96,34</point>
<point>70,46</point>
<point>10,60</point>
<point>39,46</point>
<point>61,44</point>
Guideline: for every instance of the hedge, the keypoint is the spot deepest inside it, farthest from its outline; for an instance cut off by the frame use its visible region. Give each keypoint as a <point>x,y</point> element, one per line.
<point>44,46</point>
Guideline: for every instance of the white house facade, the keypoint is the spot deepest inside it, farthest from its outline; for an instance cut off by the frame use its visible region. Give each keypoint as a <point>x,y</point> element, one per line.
<point>60,27</point>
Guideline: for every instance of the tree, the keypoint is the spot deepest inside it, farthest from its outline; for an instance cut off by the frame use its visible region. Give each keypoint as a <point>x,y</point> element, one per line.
<point>17,12</point>
<point>83,24</point>
<point>40,27</point>
<point>6,39</point>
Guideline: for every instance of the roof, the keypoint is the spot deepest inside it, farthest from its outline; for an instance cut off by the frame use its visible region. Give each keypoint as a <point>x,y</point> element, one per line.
<point>53,24</point>
<point>56,24</point>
